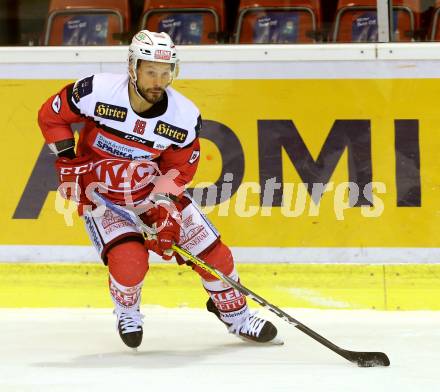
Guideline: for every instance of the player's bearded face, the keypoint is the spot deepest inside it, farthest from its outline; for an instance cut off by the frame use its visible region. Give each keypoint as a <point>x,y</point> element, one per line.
<point>152,79</point>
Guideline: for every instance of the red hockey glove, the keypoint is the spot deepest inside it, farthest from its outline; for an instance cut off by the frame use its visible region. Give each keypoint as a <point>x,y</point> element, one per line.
<point>70,173</point>
<point>165,218</point>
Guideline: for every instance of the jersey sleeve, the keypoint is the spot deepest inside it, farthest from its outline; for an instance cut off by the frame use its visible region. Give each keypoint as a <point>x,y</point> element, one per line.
<point>194,130</point>
<point>185,160</point>
<point>68,106</point>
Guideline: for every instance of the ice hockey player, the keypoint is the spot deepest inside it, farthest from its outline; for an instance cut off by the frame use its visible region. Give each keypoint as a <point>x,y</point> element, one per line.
<point>139,119</point>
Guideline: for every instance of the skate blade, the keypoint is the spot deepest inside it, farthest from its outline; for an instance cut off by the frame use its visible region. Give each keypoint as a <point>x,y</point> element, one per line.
<point>134,350</point>
<point>276,341</point>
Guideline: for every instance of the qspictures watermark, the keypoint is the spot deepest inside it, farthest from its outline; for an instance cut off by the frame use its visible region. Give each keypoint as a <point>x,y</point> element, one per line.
<point>298,199</point>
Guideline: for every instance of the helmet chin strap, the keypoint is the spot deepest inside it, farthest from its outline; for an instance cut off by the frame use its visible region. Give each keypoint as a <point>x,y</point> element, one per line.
<point>133,79</point>
<point>139,94</point>
<point>134,84</point>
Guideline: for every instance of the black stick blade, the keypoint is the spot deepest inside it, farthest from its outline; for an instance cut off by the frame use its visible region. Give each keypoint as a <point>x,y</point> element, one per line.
<point>367,359</point>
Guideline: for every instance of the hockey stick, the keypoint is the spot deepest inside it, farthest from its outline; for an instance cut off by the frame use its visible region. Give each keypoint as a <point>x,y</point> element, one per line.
<point>361,358</point>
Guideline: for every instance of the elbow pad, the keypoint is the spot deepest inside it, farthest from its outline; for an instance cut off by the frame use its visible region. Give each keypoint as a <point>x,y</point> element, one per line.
<point>64,148</point>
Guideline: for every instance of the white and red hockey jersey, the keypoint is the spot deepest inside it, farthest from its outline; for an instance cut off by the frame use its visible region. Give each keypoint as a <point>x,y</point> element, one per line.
<point>114,134</point>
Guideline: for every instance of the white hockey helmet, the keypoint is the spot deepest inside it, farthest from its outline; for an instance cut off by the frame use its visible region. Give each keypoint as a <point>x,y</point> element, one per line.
<point>151,46</point>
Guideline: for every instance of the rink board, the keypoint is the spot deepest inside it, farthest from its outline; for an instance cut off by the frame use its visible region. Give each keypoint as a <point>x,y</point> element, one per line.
<point>256,93</point>
<point>323,286</point>
<point>404,217</point>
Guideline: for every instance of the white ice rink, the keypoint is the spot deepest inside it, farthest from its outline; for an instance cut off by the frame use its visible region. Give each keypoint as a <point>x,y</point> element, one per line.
<point>189,350</point>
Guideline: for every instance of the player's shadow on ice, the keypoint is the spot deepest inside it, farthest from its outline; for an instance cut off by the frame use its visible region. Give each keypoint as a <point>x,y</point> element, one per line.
<point>150,359</point>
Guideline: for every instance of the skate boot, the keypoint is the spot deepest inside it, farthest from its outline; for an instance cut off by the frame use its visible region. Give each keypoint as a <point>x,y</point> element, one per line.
<point>251,327</point>
<point>129,323</point>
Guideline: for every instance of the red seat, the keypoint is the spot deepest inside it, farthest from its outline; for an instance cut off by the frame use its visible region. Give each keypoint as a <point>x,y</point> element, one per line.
<point>188,22</point>
<point>278,21</point>
<point>86,22</point>
<point>434,34</point>
<point>356,20</point>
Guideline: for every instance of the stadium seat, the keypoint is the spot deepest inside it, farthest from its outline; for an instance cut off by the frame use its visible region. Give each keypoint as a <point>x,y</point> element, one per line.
<point>188,22</point>
<point>435,24</point>
<point>86,22</point>
<point>356,21</point>
<point>278,21</point>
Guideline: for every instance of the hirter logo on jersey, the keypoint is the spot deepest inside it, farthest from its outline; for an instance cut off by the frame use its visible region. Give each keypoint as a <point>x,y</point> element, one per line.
<point>170,132</point>
<point>110,112</point>
<point>162,54</point>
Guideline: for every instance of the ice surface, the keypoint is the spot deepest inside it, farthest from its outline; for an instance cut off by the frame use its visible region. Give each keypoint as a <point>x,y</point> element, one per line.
<point>189,350</point>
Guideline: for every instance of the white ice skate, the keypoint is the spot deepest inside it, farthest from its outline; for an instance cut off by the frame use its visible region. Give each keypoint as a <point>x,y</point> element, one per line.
<point>129,324</point>
<point>252,328</point>
<point>256,329</point>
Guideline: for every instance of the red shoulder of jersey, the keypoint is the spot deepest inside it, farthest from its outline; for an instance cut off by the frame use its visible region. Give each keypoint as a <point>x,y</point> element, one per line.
<point>56,115</point>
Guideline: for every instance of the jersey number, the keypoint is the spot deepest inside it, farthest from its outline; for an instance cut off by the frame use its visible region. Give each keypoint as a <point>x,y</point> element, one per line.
<point>139,127</point>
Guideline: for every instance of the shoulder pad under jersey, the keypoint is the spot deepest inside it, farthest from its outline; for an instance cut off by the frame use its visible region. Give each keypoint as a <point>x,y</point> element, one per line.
<point>186,114</point>
<point>90,90</point>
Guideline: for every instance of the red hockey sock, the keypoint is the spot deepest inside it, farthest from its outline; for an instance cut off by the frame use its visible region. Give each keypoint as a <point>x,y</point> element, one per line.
<point>128,263</point>
<point>220,257</point>
<point>230,303</point>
